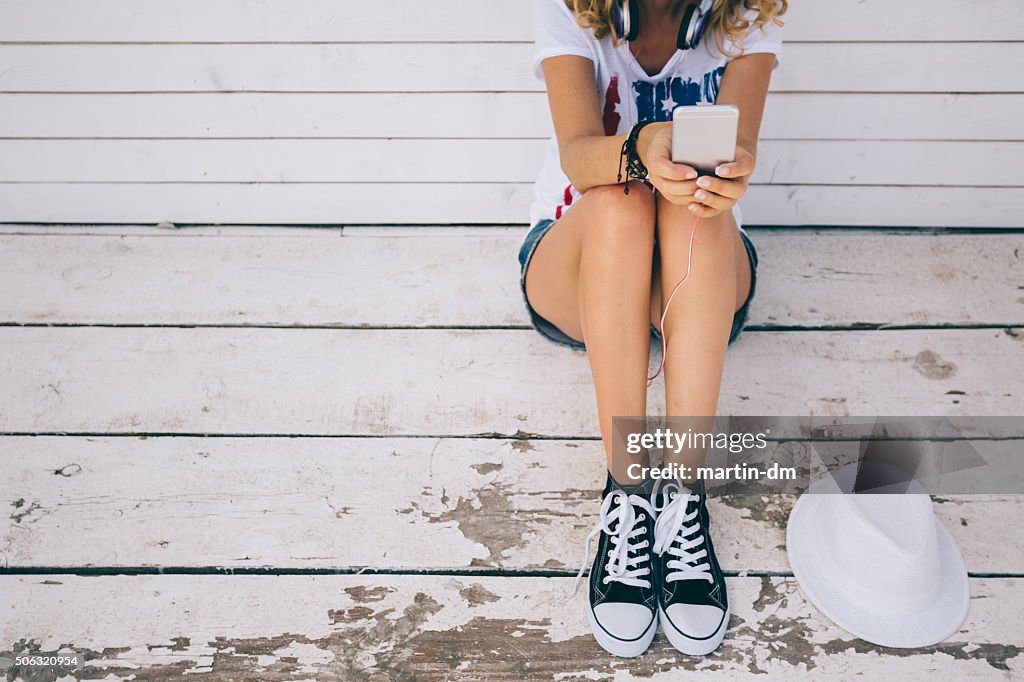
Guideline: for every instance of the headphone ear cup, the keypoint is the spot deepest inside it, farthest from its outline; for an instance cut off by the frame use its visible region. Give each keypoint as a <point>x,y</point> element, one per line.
<point>626,19</point>
<point>690,28</point>
<point>634,19</point>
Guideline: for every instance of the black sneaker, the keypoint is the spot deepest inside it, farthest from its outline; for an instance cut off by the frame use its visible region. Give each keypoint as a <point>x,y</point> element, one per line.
<point>692,603</point>
<point>623,608</point>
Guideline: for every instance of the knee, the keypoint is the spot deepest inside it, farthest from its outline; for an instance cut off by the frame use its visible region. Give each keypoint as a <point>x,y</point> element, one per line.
<point>622,221</point>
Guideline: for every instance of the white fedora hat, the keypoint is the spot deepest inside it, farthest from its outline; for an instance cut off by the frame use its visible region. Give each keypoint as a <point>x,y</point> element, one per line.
<point>880,565</point>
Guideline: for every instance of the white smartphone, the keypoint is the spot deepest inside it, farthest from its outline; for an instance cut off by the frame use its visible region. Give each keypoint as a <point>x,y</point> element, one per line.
<point>704,135</point>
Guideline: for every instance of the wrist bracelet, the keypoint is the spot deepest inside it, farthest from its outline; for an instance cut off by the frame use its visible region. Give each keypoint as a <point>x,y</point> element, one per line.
<point>635,168</point>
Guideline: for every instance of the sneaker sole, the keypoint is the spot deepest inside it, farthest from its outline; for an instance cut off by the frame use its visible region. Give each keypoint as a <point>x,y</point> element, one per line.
<point>689,646</point>
<point>618,647</point>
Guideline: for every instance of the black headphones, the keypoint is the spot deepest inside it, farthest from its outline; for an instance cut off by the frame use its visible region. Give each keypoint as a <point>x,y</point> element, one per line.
<point>626,23</point>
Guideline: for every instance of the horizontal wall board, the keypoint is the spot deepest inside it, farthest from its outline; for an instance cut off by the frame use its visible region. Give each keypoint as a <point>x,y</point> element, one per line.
<point>419,503</point>
<point>453,67</point>
<point>892,116</point>
<point>461,382</point>
<point>791,162</point>
<point>271,628</point>
<point>315,115</point>
<point>182,278</point>
<point>875,116</point>
<point>945,20</point>
<point>478,203</point>
<point>268,21</point>
<point>264,232</point>
<point>456,20</point>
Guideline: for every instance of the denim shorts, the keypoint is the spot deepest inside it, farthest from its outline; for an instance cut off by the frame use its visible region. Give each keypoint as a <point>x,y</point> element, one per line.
<point>553,333</point>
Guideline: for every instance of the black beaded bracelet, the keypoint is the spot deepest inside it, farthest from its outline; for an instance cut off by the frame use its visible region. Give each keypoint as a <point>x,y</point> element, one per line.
<point>635,168</point>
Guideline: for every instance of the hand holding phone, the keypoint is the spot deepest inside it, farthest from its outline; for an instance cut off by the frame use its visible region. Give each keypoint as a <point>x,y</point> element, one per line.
<point>705,138</point>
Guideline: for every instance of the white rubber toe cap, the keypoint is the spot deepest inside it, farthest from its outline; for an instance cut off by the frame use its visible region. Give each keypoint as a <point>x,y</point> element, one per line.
<point>627,622</point>
<point>695,620</point>
<point>623,629</point>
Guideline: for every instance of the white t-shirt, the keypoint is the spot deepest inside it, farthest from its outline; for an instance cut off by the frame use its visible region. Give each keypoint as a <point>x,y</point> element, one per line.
<point>690,77</point>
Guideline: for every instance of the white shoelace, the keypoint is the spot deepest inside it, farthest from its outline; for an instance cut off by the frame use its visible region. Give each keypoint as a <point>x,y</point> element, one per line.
<point>625,556</point>
<point>672,533</point>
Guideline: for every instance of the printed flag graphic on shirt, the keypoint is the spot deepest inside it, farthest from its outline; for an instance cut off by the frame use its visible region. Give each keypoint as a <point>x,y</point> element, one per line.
<point>655,101</point>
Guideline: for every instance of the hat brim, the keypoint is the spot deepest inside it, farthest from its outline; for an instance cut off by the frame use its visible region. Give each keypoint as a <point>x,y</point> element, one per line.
<point>928,626</point>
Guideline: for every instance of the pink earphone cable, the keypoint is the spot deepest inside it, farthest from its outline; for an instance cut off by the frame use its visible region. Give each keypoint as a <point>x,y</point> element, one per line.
<point>664,312</point>
<point>629,87</point>
<point>693,229</point>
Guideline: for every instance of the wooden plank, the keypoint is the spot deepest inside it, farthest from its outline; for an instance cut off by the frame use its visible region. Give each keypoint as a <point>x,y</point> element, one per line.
<point>478,203</point>
<point>884,206</point>
<point>443,628</point>
<point>267,232</point>
<point>891,116</point>
<point>455,20</point>
<point>391,503</point>
<point>456,67</point>
<point>272,161</point>
<point>315,115</point>
<point>390,281</point>
<point>791,162</point>
<point>933,279</point>
<point>444,382</point>
<point>875,116</point>
<point>844,20</point>
<point>890,162</point>
<point>270,20</point>
<point>264,203</point>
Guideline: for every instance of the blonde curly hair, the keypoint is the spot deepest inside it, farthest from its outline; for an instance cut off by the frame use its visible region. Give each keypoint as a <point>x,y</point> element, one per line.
<point>726,21</point>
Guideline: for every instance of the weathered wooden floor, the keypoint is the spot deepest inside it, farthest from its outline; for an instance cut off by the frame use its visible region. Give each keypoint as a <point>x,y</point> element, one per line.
<point>251,453</point>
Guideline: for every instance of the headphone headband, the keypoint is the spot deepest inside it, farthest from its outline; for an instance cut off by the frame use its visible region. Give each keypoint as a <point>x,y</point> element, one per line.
<point>690,27</point>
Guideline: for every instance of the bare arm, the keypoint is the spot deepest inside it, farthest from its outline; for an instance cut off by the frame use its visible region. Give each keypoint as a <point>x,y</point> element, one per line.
<point>589,157</point>
<point>745,84</point>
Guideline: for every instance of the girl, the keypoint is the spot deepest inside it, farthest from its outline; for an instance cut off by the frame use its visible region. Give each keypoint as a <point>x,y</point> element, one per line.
<point>598,263</point>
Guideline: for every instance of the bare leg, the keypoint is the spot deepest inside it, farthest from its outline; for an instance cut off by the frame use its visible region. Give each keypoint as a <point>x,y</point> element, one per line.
<point>699,320</point>
<point>591,276</point>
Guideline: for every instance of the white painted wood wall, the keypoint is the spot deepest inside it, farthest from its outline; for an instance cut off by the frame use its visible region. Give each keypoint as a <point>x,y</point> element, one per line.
<point>342,112</point>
